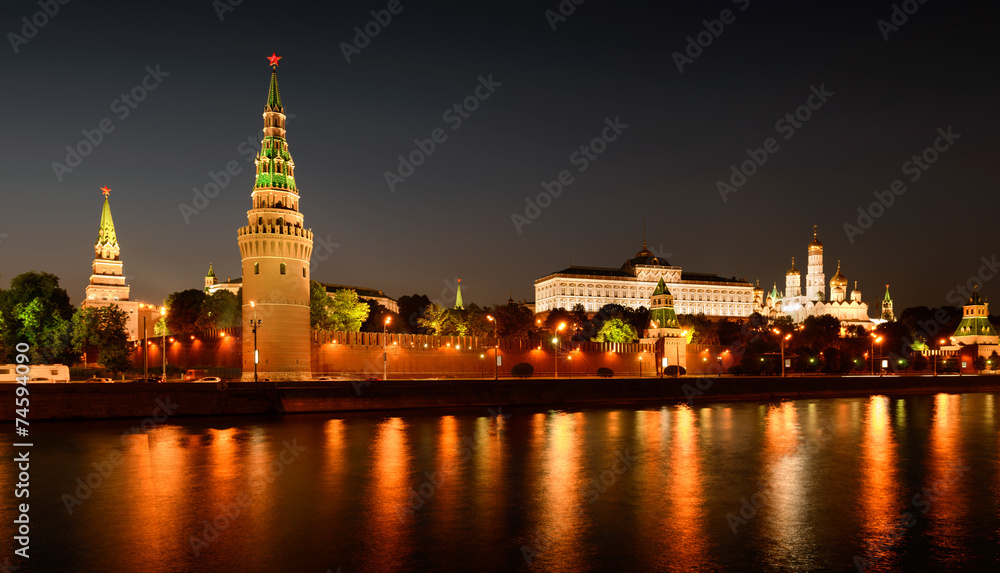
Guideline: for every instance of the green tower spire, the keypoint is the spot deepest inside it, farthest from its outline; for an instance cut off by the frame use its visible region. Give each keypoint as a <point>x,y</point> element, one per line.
<point>211,273</point>
<point>273,95</point>
<point>275,167</point>
<point>106,237</point>
<point>458,297</point>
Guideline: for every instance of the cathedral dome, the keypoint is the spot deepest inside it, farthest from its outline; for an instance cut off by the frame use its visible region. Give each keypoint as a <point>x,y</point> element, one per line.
<point>792,271</point>
<point>838,280</point>
<point>815,246</point>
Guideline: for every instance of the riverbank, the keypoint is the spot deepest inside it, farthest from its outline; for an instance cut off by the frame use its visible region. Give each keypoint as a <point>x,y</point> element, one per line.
<point>97,401</point>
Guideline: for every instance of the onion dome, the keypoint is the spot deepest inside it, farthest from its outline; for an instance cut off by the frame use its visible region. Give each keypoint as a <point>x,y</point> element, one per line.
<point>838,280</point>
<point>815,246</point>
<point>792,271</point>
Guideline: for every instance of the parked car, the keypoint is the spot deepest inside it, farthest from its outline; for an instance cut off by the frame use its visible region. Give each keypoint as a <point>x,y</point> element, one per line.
<point>96,379</point>
<point>325,378</point>
<point>150,380</point>
<point>210,379</point>
<point>373,379</point>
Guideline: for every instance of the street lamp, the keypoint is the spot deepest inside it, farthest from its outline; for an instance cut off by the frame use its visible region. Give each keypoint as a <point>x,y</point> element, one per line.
<point>482,369</point>
<point>569,365</point>
<point>678,349</point>
<point>640,366</point>
<point>555,345</point>
<point>496,348</point>
<point>385,357</point>
<point>254,323</point>
<point>163,343</point>
<point>783,340</point>
<point>874,340</point>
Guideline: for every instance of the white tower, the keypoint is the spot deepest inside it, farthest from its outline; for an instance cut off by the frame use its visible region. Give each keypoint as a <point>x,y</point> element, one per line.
<point>793,282</point>
<point>815,280</point>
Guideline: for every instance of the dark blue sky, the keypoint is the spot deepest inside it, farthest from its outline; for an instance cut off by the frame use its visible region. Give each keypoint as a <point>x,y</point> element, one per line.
<point>452,216</point>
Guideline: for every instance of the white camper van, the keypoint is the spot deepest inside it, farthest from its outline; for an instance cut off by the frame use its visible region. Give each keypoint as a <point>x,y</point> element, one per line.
<point>36,373</point>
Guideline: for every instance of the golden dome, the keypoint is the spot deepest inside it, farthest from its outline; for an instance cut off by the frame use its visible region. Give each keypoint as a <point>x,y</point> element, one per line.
<point>792,270</point>
<point>838,280</point>
<point>815,245</point>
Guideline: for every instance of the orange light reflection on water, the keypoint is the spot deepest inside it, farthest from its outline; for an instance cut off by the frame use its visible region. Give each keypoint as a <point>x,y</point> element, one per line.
<point>881,499</point>
<point>943,496</point>
<point>386,523</point>
<point>684,530</point>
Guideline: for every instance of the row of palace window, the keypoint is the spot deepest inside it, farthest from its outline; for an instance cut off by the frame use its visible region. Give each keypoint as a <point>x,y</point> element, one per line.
<point>282,268</point>
<point>627,292</point>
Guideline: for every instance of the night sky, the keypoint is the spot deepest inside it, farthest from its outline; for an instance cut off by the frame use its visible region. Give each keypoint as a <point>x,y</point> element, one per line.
<point>452,217</point>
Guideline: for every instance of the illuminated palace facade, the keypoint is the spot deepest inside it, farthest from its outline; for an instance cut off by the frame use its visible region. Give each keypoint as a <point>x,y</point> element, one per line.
<point>633,284</point>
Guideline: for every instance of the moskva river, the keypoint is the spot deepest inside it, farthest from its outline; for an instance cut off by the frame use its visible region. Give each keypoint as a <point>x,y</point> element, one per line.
<point>876,484</point>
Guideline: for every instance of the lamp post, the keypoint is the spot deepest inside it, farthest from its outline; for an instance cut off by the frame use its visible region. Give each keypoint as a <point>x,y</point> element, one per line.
<point>385,356</point>
<point>496,348</point>
<point>145,349</point>
<point>783,340</point>
<point>874,340</point>
<point>569,365</point>
<point>678,349</point>
<point>555,345</point>
<point>254,323</point>
<point>163,343</point>
<point>640,366</point>
<point>482,369</point>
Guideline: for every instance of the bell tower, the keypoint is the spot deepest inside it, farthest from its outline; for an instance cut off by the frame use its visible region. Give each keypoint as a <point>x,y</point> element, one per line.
<point>815,280</point>
<point>275,249</point>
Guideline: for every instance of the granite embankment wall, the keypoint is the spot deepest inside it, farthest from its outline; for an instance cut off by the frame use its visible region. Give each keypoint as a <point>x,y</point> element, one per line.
<point>127,400</point>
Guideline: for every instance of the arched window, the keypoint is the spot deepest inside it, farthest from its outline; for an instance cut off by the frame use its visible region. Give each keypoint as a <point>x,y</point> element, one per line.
<point>256,268</point>
<point>303,272</point>
<point>282,268</point>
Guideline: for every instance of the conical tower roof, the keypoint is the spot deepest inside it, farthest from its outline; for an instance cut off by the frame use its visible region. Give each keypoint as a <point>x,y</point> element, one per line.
<point>458,297</point>
<point>106,236</point>
<point>211,273</point>
<point>887,297</point>
<point>661,288</point>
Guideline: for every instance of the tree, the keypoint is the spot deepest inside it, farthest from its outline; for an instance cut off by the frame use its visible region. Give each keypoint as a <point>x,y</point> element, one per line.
<point>341,312</point>
<point>555,318</point>
<point>435,320</point>
<point>994,361</point>
<point>220,309</point>
<point>105,328</point>
<point>320,307</point>
<point>818,332</point>
<point>376,319</point>
<point>980,363</point>
<point>36,310</point>
<point>184,310</point>
<point>514,321</point>
<point>411,310</point>
<point>616,330</point>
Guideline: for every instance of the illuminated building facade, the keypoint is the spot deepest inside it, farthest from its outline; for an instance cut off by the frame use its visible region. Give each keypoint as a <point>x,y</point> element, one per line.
<point>275,249</point>
<point>846,307</point>
<point>632,285</point>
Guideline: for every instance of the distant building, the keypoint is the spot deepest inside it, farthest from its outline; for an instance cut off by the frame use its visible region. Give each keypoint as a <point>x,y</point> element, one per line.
<point>664,332</point>
<point>850,310</point>
<point>632,285</point>
<point>213,285</point>
<point>107,282</point>
<point>975,327</point>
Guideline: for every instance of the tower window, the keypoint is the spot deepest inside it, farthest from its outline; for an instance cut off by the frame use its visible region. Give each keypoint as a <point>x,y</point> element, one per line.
<point>282,268</point>
<point>303,272</point>
<point>256,268</point>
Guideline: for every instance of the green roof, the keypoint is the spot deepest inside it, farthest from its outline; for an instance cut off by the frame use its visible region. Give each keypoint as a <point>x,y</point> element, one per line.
<point>661,288</point>
<point>273,95</point>
<point>975,326</point>
<point>106,234</point>
<point>458,297</point>
<point>887,297</point>
<point>211,273</point>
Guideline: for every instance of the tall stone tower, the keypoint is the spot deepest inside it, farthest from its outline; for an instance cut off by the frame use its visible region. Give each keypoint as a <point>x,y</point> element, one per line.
<point>275,249</point>
<point>107,283</point>
<point>815,280</point>
<point>887,306</point>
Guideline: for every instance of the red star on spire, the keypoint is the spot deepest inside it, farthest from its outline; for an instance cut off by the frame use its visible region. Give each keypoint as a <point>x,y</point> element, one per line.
<point>106,190</point>
<point>273,59</point>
